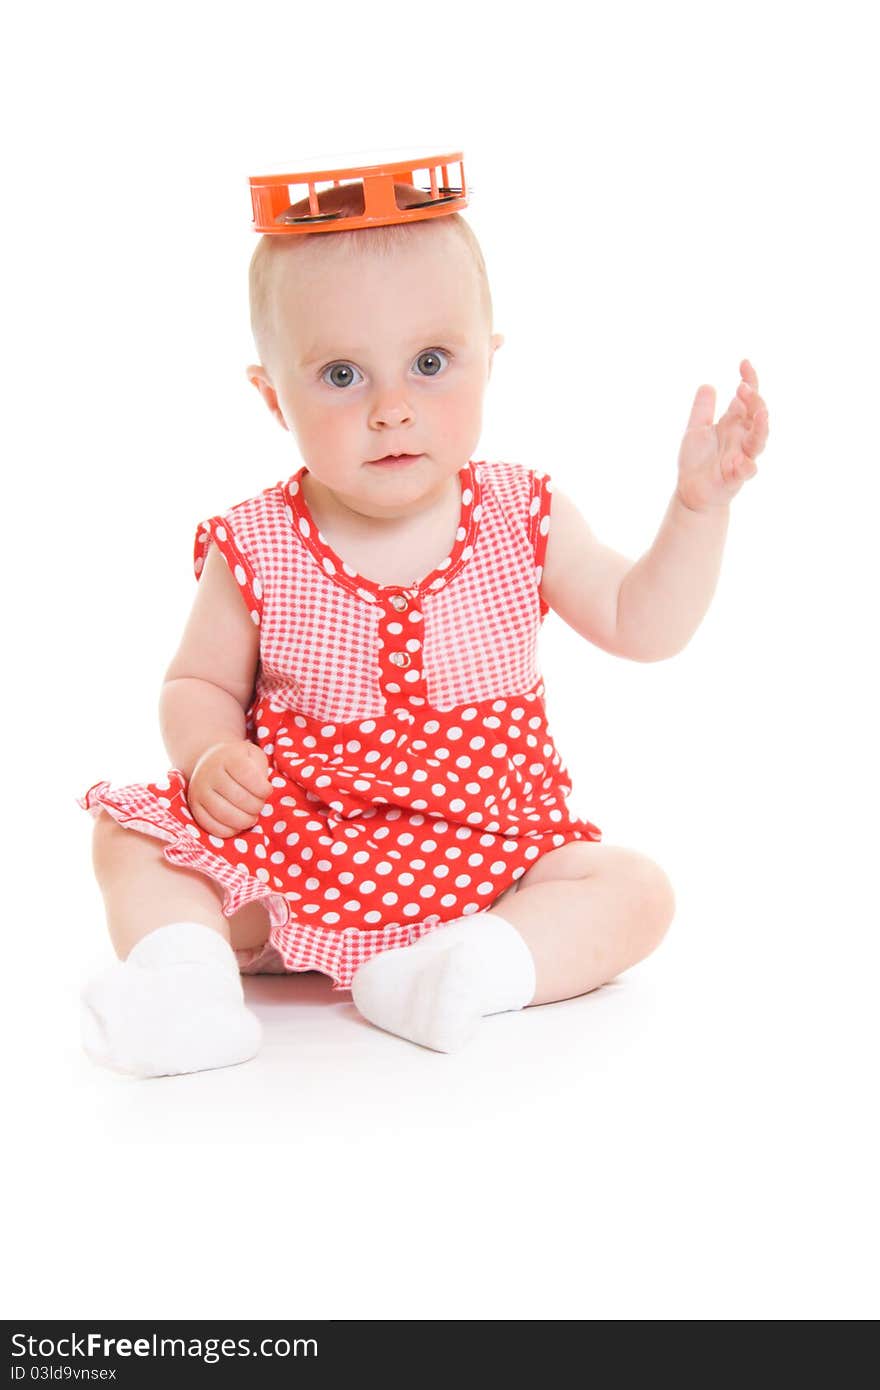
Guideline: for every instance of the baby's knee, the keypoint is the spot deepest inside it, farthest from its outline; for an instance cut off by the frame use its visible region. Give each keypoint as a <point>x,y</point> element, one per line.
<point>659,895</point>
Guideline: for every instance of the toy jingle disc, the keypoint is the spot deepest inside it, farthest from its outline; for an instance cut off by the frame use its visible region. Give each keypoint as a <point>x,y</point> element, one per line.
<point>279,211</point>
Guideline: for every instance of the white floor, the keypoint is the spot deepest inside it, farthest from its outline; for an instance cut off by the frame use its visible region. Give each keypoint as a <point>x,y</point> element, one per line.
<point>696,1140</point>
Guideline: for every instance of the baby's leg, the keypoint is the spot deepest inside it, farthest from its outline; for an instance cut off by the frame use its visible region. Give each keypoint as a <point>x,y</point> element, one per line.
<point>174,1003</point>
<point>582,915</point>
<point>587,912</point>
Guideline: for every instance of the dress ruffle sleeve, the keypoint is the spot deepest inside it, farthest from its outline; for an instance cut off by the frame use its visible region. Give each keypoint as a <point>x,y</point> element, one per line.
<point>219,530</point>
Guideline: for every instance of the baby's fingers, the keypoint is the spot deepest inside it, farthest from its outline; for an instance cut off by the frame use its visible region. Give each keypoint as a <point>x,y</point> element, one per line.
<point>248,769</point>
<point>203,817</point>
<point>749,397</point>
<point>230,805</point>
<point>757,435</point>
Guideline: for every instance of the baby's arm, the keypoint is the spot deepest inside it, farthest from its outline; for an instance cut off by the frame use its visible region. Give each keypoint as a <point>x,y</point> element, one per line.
<point>650,610</point>
<point>581,578</point>
<point>646,611</point>
<point>210,681</point>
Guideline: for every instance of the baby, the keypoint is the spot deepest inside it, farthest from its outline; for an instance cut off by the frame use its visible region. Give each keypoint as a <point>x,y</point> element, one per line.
<point>363,781</point>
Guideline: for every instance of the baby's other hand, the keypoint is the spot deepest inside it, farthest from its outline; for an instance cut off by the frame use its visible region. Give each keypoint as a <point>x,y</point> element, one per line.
<point>716,459</point>
<point>229,787</point>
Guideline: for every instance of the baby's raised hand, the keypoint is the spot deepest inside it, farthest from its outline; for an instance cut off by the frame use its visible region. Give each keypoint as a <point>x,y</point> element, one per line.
<point>229,787</point>
<point>715,460</point>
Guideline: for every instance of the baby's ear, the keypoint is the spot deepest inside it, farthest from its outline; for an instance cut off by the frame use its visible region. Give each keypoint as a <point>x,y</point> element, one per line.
<point>494,344</point>
<point>261,380</point>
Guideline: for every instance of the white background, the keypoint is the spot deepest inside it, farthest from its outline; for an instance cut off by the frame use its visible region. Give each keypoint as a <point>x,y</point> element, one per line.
<point>659,193</point>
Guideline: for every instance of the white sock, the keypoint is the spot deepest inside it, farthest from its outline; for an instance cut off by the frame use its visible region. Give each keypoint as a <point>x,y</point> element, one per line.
<point>175,1005</point>
<point>436,991</point>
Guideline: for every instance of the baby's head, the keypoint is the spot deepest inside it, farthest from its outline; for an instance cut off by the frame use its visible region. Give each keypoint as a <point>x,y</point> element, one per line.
<point>373,342</point>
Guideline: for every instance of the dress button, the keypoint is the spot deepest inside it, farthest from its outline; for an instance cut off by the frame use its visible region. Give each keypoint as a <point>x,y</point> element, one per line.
<point>399,659</point>
<point>399,601</point>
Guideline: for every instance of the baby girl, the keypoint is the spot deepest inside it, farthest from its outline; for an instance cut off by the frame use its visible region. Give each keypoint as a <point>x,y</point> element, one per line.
<point>363,781</point>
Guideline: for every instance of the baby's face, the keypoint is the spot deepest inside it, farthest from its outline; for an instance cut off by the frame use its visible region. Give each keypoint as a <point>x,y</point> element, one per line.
<point>377,355</point>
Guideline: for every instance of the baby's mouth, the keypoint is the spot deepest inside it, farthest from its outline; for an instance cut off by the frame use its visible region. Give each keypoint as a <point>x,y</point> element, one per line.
<point>392,460</point>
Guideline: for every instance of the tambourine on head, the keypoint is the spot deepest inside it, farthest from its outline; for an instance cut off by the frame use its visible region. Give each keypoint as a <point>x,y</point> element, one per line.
<point>380,192</point>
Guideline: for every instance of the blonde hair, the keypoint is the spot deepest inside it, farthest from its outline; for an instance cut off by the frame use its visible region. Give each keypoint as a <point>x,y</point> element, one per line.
<point>273,251</point>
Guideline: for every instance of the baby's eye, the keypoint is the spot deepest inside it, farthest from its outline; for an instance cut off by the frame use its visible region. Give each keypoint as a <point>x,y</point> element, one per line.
<point>431,358</point>
<point>340,373</point>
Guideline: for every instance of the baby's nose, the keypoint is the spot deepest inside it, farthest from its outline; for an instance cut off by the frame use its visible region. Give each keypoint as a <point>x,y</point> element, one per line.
<point>391,412</point>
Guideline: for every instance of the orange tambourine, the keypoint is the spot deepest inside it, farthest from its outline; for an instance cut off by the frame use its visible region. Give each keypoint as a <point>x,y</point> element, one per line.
<point>279,210</point>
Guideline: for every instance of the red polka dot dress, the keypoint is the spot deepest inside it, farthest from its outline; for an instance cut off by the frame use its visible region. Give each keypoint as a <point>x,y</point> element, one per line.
<point>414,777</point>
